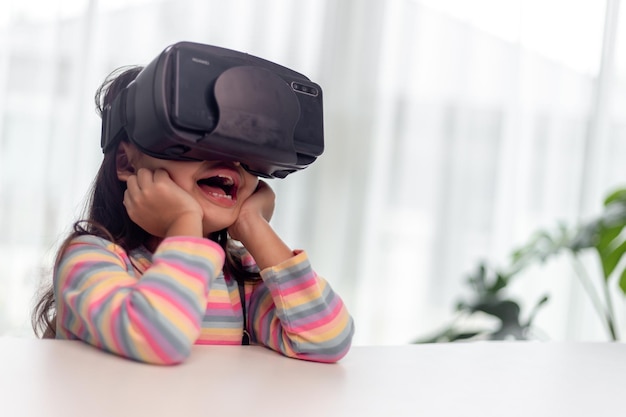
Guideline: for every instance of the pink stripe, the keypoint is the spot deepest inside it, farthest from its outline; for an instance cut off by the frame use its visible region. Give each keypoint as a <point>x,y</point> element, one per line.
<point>223,306</point>
<point>319,320</point>
<point>147,331</point>
<point>221,342</point>
<point>94,304</point>
<point>171,300</point>
<point>262,317</point>
<point>264,322</point>
<point>188,272</point>
<point>274,325</point>
<point>113,325</point>
<point>71,274</point>
<point>300,286</point>
<point>275,334</point>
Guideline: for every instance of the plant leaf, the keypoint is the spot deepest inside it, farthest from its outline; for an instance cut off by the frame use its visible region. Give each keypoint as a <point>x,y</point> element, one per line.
<point>585,237</point>
<point>506,310</point>
<point>622,281</point>
<point>463,336</point>
<point>606,236</point>
<point>535,310</point>
<point>610,258</point>
<point>498,285</point>
<point>618,195</point>
<point>449,334</point>
<point>608,229</point>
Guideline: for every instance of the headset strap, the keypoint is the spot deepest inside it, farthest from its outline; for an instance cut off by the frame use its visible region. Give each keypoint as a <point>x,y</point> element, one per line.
<point>245,340</point>
<point>113,121</point>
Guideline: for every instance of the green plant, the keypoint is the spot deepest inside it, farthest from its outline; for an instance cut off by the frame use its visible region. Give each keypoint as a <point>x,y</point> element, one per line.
<point>604,236</point>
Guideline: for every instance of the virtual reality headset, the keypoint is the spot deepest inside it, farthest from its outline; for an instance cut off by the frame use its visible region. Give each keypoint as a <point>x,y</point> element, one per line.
<point>201,102</point>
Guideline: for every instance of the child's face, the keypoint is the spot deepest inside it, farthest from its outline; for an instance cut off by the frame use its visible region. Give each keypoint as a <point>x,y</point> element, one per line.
<point>220,188</point>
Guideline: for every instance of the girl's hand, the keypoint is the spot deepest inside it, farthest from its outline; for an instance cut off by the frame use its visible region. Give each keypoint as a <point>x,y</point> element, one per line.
<point>255,210</point>
<point>252,228</point>
<point>160,207</point>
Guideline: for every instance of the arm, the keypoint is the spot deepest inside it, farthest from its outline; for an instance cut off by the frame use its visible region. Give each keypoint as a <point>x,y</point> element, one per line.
<point>294,312</point>
<point>155,318</point>
<point>297,313</point>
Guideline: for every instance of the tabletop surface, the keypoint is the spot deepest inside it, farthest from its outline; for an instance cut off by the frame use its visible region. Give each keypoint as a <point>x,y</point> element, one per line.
<point>67,378</point>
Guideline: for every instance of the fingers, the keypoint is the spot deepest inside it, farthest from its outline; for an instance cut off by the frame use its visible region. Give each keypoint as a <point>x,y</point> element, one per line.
<point>160,175</point>
<point>145,178</point>
<point>136,187</point>
<point>131,183</point>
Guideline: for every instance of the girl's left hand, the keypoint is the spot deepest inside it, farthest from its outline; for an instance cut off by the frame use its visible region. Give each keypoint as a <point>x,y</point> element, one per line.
<point>253,230</point>
<point>256,209</point>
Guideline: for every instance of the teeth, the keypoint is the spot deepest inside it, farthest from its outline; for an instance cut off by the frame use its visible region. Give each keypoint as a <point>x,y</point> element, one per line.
<point>227,180</point>
<point>222,195</point>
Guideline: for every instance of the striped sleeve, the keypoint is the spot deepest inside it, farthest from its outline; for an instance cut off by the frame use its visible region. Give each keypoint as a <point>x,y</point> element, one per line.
<point>297,313</point>
<point>154,318</point>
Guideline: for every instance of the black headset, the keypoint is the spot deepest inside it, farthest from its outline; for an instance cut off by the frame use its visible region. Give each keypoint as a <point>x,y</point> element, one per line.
<point>202,102</point>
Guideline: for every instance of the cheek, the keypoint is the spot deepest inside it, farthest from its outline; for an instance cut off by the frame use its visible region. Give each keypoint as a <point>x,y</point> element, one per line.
<point>251,184</point>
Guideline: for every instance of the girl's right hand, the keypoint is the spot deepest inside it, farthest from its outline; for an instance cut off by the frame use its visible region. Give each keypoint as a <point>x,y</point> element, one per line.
<point>160,207</point>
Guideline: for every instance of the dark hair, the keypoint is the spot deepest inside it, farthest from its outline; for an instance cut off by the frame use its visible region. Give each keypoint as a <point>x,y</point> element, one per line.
<point>106,215</point>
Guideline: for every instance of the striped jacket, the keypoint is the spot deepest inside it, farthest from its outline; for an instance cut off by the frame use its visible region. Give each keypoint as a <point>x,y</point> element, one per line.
<point>152,307</point>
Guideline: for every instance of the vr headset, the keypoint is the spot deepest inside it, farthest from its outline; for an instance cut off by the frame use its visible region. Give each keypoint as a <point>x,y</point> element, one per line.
<point>201,102</point>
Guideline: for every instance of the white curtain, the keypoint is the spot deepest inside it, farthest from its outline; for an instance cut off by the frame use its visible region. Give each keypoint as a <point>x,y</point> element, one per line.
<point>454,129</point>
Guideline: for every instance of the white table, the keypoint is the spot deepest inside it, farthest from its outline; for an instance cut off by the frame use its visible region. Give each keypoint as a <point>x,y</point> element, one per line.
<point>62,378</point>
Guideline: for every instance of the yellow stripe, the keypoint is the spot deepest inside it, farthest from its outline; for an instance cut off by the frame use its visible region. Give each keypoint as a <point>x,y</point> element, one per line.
<point>172,314</point>
<point>328,331</point>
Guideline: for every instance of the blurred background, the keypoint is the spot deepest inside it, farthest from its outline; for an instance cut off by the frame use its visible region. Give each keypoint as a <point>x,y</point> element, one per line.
<point>454,130</point>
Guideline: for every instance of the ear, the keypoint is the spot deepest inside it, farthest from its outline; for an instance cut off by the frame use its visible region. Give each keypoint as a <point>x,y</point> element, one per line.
<point>124,160</point>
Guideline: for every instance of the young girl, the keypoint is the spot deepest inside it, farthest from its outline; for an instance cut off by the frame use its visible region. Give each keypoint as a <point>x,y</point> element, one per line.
<point>153,269</point>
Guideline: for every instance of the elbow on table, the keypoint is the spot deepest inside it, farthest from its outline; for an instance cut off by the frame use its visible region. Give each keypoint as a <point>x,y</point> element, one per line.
<point>159,348</point>
<point>330,351</point>
<point>162,357</point>
<point>326,355</point>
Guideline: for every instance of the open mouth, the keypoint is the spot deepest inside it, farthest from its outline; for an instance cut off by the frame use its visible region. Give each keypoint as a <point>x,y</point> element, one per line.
<point>219,186</point>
